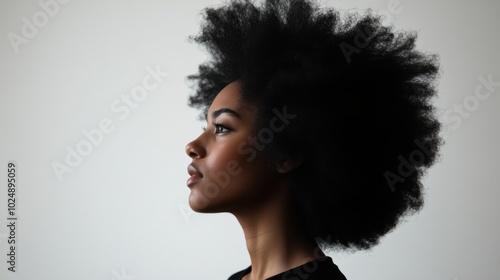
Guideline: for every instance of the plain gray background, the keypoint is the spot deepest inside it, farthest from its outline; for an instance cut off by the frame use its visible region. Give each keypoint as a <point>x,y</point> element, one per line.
<point>122,212</point>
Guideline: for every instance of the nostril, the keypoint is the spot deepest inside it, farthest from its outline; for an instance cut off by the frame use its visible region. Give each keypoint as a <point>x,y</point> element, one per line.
<point>193,154</point>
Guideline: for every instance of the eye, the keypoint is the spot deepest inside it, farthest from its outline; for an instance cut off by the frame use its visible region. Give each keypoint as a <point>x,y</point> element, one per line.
<point>221,129</point>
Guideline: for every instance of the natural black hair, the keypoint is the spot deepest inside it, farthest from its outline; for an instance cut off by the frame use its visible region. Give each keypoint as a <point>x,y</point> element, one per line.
<point>361,94</point>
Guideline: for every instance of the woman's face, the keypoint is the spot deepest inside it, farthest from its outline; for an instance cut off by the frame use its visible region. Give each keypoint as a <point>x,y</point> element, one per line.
<point>227,170</point>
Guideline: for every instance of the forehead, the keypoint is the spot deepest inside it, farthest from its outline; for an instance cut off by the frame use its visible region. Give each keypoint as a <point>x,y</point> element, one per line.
<point>229,97</point>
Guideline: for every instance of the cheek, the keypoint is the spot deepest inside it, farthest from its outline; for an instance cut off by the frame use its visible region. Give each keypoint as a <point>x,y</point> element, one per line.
<point>226,163</point>
<point>224,188</point>
<point>242,179</point>
<point>230,179</point>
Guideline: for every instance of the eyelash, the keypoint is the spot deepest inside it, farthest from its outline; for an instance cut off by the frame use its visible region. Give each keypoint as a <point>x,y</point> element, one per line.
<point>217,126</point>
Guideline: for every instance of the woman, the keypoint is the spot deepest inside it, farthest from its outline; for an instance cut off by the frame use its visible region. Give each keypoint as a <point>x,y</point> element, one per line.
<point>319,130</point>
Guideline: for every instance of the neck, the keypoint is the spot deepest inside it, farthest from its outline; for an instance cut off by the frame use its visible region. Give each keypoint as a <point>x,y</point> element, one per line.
<point>274,240</point>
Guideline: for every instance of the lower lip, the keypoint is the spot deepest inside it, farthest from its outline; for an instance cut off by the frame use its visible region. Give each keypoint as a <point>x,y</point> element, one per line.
<point>193,179</point>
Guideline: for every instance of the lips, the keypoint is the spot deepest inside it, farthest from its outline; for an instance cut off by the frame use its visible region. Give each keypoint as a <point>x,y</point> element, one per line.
<point>195,175</point>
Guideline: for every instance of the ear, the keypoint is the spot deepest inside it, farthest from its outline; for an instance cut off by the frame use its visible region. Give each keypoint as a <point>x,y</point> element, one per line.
<point>285,166</point>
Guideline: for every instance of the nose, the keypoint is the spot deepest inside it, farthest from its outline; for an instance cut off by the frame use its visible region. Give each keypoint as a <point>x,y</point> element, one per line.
<point>195,149</point>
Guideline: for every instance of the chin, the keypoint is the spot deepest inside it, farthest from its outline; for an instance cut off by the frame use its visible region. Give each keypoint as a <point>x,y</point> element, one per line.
<point>197,204</point>
<point>218,203</point>
<point>202,204</point>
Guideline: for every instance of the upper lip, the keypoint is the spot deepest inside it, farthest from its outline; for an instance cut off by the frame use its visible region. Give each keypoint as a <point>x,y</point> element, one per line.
<point>193,171</point>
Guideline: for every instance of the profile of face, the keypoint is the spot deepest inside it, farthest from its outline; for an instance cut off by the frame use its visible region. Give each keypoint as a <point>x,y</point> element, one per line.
<point>223,177</point>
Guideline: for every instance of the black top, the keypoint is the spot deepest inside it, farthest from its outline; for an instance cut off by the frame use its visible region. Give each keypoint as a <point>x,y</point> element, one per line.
<point>318,269</point>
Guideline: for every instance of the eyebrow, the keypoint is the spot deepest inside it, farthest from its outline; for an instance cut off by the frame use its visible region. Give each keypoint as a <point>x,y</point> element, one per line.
<point>217,113</point>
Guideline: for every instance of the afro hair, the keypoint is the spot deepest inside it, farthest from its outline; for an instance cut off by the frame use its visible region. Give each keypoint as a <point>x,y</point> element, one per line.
<point>361,94</point>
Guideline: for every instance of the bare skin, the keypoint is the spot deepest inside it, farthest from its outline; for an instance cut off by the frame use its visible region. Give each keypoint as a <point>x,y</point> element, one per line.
<point>275,243</point>
<point>257,194</point>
